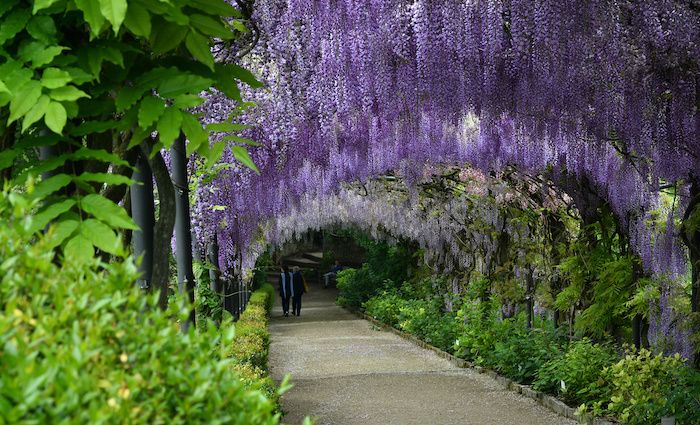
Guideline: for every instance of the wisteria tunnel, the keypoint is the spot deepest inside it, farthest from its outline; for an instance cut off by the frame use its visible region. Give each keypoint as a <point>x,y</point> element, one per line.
<point>476,211</point>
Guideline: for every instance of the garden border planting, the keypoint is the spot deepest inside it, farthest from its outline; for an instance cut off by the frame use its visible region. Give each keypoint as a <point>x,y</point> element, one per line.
<point>551,403</point>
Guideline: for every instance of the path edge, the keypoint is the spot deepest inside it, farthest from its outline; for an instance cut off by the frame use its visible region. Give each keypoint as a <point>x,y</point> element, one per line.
<point>551,403</point>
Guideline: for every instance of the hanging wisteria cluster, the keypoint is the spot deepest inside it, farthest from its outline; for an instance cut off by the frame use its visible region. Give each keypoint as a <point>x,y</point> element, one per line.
<point>600,91</point>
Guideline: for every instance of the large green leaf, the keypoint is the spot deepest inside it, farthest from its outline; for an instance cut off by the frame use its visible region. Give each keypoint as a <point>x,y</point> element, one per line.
<point>215,7</point>
<point>241,154</point>
<point>43,56</point>
<point>169,126</point>
<point>7,157</point>
<point>150,110</point>
<point>43,4</point>
<point>181,83</point>
<point>198,45</point>
<point>13,23</point>
<point>107,211</point>
<point>195,133</point>
<point>50,212</point>
<point>51,185</point>
<point>67,93</point>
<point>244,75</point>
<point>114,11</point>
<point>36,113</point>
<point>60,231</point>
<point>79,248</point>
<point>25,97</point>
<point>55,117</point>
<point>166,36</point>
<point>239,139</point>
<point>54,78</point>
<point>42,28</point>
<point>225,127</point>
<point>101,235</point>
<point>213,27</point>
<point>128,96</point>
<point>138,20</point>
<point>92,14</point>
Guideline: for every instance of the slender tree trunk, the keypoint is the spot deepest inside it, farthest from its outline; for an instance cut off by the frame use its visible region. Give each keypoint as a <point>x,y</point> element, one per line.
<point>163,230</point>
<point>143,213</point>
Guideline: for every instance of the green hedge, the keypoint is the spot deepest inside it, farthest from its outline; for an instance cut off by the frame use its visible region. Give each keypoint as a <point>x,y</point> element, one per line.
<point>79,343</point>
<point>251,344</point>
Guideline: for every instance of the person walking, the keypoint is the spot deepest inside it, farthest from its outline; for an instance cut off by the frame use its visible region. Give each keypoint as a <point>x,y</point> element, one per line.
<point>286,288</point>
<point>297,291</point>
<point>331,274</point>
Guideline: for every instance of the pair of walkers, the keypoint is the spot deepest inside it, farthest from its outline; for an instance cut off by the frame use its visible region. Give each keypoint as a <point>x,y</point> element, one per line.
<point>291,287</point>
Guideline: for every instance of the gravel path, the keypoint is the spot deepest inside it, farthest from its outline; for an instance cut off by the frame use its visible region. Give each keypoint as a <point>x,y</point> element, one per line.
<point>347,372</point>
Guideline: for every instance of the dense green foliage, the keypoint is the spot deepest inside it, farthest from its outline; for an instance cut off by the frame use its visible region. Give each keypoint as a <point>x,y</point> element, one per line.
<point>251,344</point>
<point>79,343</point>
<point>638,388</point>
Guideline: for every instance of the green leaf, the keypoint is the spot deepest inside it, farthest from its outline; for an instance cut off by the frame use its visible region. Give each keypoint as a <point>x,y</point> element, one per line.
<point>98,154</point>
<point>150,110</point>
<point>24,99</point>
<point>42,4</point>
<point>114,11</point>
<point>3,88</point>
<point>215,152</point>
<point>54,78</point>
<point>67,93</point>
<point>138,20</point>
<point>79,248</point>
<point>185,101</point>
<point>240,26</point>
<point>101,235</point>
<point>213,27</point>
<point>194,132</point>
<point>7,157</point>
<point>198,45</point>
<point>244,75</point>
<point>107,178</point>
<point>166,36</point>
<point>226,83</point>
<point>241,154</point>
<point>128,96</point>
<point>55,117</point>
<point>225,127</point>
<point>107,211</point>
<point>7,5</point>
<point>215,7</point>
<point>50,185</point>
<point>89,127</point>
<point>181,83</point>
<point>44,56</point>
<point>36,113</point>
<point>92,14</point>
<point>42,28</point>
<point>60,231</point>
<point>50,212</point>
<point>13,23</point>
<point>169,126</point>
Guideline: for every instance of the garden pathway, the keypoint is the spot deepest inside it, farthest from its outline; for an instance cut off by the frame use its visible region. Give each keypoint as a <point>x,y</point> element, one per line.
<point>345,371</point>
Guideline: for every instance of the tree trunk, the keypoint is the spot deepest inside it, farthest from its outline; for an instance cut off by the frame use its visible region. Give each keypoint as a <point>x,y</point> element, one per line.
<point>163,230</point>
<point>691,238</point>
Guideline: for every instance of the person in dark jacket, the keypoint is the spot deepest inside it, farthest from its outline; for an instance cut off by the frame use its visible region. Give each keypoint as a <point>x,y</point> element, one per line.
<point>298,291</point>
<point>286,288</point>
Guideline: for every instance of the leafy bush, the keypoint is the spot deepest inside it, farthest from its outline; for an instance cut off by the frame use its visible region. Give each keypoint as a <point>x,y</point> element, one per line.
<point>79,343</point>
<point>643,387</point>
<point>358,285</point>
<point>426,320</point>
<point>251,343</point>
<point>385,307</point>
<point>579,369</point>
